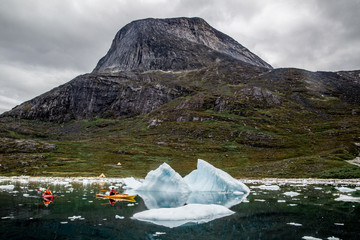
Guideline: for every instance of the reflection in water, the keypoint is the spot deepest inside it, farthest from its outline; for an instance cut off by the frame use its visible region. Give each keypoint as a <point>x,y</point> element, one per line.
<point>155,200</point>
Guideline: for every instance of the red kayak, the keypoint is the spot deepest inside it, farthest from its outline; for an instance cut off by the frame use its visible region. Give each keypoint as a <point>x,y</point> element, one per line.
<point>48,197</point>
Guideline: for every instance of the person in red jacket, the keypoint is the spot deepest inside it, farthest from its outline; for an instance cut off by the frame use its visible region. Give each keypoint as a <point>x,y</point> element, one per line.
<point>47,192</point>
<point>113,192</point>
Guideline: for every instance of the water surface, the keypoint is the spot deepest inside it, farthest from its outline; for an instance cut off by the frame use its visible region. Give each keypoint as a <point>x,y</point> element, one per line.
<point>289,211</point>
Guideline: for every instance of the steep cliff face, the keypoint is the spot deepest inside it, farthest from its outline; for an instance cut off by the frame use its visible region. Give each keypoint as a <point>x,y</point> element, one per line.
<point>100,95</point>
<point>172,44</point>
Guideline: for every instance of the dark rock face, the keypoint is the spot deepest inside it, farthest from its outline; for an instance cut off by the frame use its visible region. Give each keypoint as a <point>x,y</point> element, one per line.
<point>88,96</point>
<point>172,44</point>
<point>154,61</point>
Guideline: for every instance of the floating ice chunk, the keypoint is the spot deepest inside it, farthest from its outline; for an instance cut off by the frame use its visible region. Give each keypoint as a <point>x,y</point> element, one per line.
<point>281,201</point>
<point>333,238</point>
<point>345,189</point>
<point>158,234</point>
<point>310,238</point>
<point>119,217</point>
<point>7,187</point>
<point>268,187</point>
<point>259,200</point>
<point>295,224</point>
<point>131,183</point>
<point>131,205</point>
<point>292,204</point>
<point>346,198</point>
<point>75,217</point>
<point>192,213</point>
<point>164,179</point>
<point>63,222</point>
<point>209,178</point>
<point>339,224</point>
<point>291,194</point>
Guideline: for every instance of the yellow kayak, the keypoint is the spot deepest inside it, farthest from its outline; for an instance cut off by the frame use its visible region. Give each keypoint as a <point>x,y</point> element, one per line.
<point>117,196</point>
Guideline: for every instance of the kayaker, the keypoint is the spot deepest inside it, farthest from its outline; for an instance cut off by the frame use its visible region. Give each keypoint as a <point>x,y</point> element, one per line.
<point>113,192</point>
<point>47,192</point>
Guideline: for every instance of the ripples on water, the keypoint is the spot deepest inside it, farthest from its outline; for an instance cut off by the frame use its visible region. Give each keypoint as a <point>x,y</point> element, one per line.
<point>291,211</point>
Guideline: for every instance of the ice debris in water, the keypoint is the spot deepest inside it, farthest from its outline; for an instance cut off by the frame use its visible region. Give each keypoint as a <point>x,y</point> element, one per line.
<point>7,187</point>
<point>191,213</point>
<point>268,187</point>
<point>346,198</point>
<point>345,189</point>
<point>310,238</point>
<point>291,194</point>
<point>119,217</point>
<point>75,217</point>
<point>295,224</point>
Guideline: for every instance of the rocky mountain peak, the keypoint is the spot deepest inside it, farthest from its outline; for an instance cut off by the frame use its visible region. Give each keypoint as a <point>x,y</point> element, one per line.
<point>172,44</point>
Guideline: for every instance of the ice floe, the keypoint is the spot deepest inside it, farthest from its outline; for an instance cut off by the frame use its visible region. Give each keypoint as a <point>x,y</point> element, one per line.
<point>268,187</point>
<point>291,194</point>
<point>7,187</point>
<point>191,213</point>
<point>310,238</point>
<point>346,198</point>
<point>345,189</point>
<point>294,224</point>
<point>119,217</point>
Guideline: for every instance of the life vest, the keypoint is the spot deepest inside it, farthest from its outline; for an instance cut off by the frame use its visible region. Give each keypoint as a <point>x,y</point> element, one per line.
<point>47,192</point>
<point>113,192</point>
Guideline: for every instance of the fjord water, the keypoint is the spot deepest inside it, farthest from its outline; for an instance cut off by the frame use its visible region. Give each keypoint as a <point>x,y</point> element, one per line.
<point>277,212</point>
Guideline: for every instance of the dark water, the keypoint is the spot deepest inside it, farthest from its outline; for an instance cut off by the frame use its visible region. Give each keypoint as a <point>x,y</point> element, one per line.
<point>265,214</point>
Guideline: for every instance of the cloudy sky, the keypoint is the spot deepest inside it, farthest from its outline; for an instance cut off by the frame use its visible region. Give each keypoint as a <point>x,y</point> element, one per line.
<point>45,43</point>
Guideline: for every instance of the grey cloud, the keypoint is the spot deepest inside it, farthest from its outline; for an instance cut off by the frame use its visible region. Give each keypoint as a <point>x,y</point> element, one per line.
<point>44,43</point>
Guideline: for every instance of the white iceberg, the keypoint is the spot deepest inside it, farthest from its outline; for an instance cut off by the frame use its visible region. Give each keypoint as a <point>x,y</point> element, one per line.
<point>165,188</point>
<point>192,213</point>
<point>209,178</point>
<point>163,199</point>
<point>164,179</point>
<point>131,183</point>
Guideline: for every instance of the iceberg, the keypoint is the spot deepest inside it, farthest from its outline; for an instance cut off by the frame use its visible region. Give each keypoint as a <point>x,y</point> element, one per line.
<point>175,217</point>
<point>209,178</point>
<point>163,199</point>
<point>164,179</point>
<point>165,188</point>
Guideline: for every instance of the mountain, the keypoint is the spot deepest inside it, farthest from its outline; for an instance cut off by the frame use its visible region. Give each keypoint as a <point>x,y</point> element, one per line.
<point>172,44</point>
<point>175,90</point>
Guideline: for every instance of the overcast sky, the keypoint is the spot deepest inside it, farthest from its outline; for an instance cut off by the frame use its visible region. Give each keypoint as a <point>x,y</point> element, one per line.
<point>45,43</point>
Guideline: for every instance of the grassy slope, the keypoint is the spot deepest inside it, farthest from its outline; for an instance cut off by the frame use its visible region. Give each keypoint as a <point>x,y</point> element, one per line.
<point>246,139</point>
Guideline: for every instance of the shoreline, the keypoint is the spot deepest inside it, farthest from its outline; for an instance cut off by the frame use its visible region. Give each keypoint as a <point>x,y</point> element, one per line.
<point>266,181</point>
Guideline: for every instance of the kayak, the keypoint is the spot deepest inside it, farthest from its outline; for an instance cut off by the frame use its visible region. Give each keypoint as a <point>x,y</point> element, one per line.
<point>48,197</point>
<point>117,196</point>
